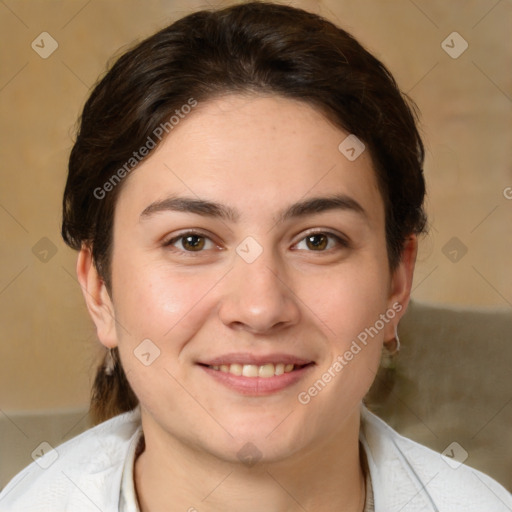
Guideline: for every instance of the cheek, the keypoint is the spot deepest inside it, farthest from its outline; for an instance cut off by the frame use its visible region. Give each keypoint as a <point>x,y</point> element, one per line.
<point>349,306</point>
<point>167,308</point>
<point>350,299</point>
<point>166,305</point>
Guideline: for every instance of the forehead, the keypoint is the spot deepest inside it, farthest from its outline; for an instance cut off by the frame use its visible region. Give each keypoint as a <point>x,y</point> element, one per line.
<point>255,153</point>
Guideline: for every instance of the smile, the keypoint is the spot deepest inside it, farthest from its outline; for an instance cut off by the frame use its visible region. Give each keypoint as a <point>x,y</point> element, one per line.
<point>266,370</point>
<point>258,378</point>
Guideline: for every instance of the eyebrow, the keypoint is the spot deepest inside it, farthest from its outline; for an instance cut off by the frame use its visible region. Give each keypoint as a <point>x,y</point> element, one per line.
<point>212,209</point>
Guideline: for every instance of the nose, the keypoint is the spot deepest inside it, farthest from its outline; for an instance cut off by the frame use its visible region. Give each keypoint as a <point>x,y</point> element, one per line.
<point>257,298</point>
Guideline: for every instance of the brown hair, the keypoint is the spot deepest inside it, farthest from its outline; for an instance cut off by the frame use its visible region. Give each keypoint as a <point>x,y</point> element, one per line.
<point>254,47</point>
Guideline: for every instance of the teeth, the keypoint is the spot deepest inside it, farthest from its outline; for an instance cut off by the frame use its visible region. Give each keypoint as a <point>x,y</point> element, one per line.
<point>252,370</point>
<point>235,369</point>
<point>267,370</point>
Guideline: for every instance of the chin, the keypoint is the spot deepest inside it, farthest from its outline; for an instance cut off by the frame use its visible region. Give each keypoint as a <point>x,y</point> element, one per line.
<point>258,452</point>
<point>265,440</point>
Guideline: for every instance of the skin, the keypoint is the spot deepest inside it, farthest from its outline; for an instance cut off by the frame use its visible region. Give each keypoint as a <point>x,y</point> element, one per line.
<point>256,155</point>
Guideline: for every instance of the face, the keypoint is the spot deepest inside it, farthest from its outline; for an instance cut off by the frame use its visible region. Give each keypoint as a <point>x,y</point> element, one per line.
<point>249,257</point>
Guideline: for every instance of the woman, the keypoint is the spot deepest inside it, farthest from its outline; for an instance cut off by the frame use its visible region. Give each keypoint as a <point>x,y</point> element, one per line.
<point>245,193</point>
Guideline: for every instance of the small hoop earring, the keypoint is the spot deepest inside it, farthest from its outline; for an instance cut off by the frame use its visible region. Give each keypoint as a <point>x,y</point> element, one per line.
<point>397,338</point>
<point>110,363</point>
<point>393,346</point>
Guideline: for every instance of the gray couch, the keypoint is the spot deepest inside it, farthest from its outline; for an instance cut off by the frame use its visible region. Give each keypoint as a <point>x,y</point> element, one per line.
<point>452,382</point>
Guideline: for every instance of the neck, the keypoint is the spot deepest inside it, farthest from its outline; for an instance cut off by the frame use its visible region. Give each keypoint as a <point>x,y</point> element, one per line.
<point>327,476</point>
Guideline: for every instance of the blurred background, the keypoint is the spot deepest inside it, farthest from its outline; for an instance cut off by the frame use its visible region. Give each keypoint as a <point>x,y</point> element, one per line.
<point>452,58</point>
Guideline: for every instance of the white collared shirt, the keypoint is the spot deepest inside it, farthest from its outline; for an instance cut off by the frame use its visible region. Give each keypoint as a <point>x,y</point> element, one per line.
<point>94,472</point>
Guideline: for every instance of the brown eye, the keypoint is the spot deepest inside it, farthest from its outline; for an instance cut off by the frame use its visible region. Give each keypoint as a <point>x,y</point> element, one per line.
<point>317,242</point>
<point>193,242</point>
<point>322,241</point>
<point>190,242</point>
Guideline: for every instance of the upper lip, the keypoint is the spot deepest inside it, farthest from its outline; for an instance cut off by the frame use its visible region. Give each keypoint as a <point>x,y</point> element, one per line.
<point>256,359</point>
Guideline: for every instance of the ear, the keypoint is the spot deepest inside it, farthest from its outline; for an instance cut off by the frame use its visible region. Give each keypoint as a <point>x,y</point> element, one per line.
<point>97,298</point>
<point>401,284</point>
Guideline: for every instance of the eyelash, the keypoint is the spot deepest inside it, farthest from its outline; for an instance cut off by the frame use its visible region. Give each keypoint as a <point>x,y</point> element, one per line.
<point>339,240</point>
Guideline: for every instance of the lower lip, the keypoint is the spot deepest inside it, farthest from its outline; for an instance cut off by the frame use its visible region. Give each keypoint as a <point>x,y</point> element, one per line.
<point>258,386</point>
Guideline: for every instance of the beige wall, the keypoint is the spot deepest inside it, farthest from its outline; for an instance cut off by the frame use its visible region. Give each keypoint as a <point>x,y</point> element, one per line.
<point>48,345</point>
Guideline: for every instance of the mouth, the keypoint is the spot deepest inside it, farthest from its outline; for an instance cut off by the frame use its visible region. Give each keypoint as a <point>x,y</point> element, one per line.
<point>265,371</point>
<point>257,375</point>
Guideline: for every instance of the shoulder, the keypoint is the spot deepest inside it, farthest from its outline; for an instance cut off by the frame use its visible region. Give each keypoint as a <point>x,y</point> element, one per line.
<point>84,473</point>
<point>407,475</point>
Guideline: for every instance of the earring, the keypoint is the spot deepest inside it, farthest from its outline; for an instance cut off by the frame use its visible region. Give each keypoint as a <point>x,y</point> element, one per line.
<point>393,346</point>
<point>109,363</point>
